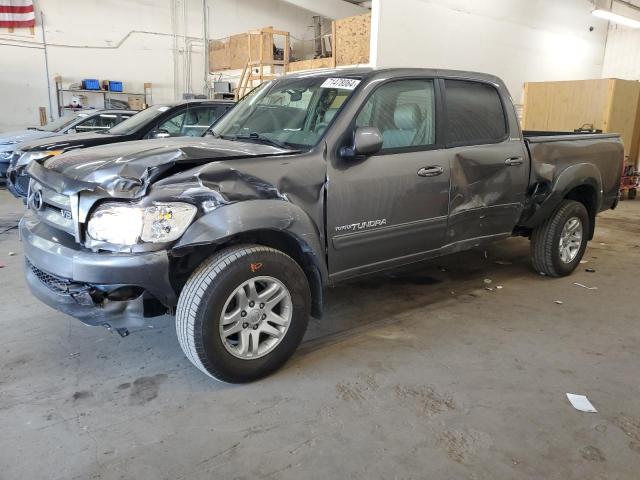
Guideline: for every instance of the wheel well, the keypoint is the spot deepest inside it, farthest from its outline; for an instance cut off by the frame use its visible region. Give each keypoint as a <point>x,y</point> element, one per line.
<point>586,195</point>
<point>183,266</point>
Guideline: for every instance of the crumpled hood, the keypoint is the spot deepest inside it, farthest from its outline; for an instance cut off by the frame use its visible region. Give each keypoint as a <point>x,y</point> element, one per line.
<point>20,136</point>
<point>126,169</point>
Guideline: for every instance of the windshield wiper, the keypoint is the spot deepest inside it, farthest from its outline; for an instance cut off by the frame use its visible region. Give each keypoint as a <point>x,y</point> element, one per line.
<point>262,139</point>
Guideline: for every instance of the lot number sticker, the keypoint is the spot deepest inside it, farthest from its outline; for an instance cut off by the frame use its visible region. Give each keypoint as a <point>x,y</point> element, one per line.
<point>345,83</point>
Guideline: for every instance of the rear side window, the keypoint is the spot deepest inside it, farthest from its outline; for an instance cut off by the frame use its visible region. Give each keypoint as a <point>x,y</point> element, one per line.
<point>474,113</point>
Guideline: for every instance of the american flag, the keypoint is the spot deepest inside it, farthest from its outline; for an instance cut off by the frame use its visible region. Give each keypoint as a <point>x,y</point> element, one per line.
<point>17,14</point>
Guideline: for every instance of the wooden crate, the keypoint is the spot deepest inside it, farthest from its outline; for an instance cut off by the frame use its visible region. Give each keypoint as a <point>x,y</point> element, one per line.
<point>233,52</point>
<point>609,104</point>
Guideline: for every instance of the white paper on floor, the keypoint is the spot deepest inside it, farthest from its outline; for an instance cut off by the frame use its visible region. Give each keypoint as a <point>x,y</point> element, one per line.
<point>582,403</point>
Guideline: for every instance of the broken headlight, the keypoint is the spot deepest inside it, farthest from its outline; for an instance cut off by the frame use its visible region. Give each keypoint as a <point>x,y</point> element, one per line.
<point>127,224</point>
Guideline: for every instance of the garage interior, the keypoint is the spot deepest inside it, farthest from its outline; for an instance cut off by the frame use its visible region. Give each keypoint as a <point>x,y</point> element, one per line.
<point>454,367</point>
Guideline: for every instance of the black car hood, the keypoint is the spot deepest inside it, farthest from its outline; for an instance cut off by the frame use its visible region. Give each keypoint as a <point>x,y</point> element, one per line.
<point>127,169</point>
<point>71,141</point>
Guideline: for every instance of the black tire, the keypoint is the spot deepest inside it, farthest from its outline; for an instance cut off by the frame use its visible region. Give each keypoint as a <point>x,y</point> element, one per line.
<point>545,240</point>
<point>204,295</point>
<point>632,194</point>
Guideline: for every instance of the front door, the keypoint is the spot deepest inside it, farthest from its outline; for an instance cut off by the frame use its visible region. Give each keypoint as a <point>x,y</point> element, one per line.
<point>392,207</point>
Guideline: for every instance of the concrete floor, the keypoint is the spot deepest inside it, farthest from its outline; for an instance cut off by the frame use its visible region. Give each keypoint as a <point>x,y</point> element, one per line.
<point>420,374</point>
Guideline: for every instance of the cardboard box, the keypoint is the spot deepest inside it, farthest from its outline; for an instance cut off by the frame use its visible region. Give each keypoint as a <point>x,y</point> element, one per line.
<point>136,103</point>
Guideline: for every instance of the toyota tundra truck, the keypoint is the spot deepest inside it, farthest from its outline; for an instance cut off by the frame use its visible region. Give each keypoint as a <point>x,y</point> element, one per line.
<point>312,179</point>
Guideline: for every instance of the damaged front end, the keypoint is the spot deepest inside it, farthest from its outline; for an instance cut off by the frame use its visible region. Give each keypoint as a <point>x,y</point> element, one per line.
<point>107,226</point>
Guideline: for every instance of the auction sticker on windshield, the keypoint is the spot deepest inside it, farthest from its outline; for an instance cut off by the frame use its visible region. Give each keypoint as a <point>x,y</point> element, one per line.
<point>346,83</point>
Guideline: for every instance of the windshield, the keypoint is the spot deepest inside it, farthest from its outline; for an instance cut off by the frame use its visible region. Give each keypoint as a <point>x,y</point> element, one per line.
<point>139,119</point>
<point>290,112</point>
<point>62,122</point>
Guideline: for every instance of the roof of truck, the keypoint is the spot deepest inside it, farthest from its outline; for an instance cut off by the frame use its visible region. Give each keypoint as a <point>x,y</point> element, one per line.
<point>365,72</point>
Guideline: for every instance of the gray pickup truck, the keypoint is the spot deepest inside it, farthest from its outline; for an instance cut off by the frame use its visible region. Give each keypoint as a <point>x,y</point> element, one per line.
<point>312,179</point>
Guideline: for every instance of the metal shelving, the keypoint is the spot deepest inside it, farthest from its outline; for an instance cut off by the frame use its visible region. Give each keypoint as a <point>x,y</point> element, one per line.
<point>106,95</point>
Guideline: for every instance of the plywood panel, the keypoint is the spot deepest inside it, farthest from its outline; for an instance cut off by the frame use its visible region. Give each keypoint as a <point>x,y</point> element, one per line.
<point>219,54</point>
<point>623,113</point>
<point>610,105</point>
<point>233,52</point>
<point>310,64</point>
<point>352,37</point>
<point>565,106</point>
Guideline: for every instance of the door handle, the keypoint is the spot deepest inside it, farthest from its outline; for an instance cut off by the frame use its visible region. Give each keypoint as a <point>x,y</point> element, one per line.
<point>431,171</point>
<point>513,161</point>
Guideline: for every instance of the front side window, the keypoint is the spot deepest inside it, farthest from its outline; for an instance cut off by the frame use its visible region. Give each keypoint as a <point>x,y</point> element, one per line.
<point>290,113</point>
<point>404,112</point>
<point>474,113</point>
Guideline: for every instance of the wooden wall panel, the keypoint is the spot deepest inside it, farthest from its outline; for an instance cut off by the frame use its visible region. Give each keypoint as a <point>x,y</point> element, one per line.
<point>352,39</point>
<point>623,113</point>
<point>608,104</point>
<point>565,105</point>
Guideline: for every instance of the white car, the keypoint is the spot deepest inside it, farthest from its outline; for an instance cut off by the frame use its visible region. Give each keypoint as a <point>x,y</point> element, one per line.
<point>82,121</point>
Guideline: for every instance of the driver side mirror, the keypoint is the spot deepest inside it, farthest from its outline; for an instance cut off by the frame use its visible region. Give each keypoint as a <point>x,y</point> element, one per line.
<point>161,133</point>
<point>367,141</point>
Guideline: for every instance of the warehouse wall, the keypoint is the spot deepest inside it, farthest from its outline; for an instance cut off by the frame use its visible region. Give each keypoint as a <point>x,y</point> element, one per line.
<point>146,55</point>
<point>622,56</point>
<point>518,40</point>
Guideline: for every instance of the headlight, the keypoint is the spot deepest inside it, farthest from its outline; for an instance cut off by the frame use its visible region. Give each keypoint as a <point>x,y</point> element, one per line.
<point>27,157</point>
<point>128,224</point>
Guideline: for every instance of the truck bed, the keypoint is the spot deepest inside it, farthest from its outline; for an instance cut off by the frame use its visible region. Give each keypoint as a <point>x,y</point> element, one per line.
<point>558,157</point>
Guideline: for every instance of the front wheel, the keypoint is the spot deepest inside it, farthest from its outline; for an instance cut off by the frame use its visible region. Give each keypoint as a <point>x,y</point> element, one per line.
<point>557,246</point>
<point>243,312</point>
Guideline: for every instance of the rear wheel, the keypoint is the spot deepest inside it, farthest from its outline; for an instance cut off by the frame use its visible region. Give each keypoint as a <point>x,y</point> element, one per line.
<point>243,312</point>
<point>557,246</point>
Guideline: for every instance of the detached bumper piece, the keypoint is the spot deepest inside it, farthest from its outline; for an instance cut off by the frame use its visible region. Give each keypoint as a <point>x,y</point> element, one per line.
<point>84,301</point>
<point>81,283</point>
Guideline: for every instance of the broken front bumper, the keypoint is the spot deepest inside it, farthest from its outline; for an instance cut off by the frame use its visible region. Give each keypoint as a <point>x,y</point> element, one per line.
<point>111,289</point>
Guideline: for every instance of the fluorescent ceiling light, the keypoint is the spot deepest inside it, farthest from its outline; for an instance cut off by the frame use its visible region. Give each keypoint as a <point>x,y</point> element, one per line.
<point>615,18</point>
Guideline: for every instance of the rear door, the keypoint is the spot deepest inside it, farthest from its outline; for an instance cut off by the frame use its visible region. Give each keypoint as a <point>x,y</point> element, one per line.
<point>489,171</point>
<point>390,208</point>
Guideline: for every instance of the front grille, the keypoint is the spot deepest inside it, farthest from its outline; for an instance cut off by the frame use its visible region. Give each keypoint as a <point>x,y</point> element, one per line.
<point>59,285</point>
<point>52,207</point>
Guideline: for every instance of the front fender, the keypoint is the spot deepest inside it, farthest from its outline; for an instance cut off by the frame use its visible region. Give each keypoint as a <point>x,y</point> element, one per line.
<point>252,215</point>
<point>581,174</point>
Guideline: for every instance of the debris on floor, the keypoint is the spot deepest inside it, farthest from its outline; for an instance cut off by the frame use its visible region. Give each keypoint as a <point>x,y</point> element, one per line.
<point>11,254</point>
<point>502,262</point>
<point>581,402</point>
<point>487,281</point>
<point>590,270</point>
<point>499,287</point>
<point>584,286</point>
<point>559,302</point>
